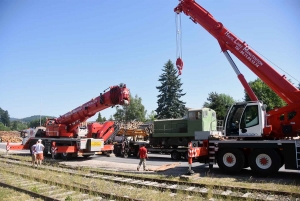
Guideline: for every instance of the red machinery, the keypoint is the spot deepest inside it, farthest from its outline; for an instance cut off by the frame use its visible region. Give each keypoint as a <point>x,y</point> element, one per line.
<point>67,134</point>
<point>65,125</point>
<point>278,83</point>
<point>261,139</point>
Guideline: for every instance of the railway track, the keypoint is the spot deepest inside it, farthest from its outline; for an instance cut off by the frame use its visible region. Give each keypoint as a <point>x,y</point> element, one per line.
<point>192,190</point>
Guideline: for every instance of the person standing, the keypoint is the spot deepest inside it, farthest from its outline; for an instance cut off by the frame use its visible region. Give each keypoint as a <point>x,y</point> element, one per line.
<point>39,152</point>
<point>143,156</point>
<point>33,154</point>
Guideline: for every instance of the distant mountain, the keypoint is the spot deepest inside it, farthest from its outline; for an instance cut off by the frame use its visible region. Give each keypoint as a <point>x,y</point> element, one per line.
<point>29,119</point>
<point>13,119</point>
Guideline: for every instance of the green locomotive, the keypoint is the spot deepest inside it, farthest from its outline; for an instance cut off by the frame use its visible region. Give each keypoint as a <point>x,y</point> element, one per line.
<point>178,132</point>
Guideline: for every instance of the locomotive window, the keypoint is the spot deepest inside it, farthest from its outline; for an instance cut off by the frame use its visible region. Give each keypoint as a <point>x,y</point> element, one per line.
<point>199,115</point>
<point>192,115</point>
<point>205,114</point>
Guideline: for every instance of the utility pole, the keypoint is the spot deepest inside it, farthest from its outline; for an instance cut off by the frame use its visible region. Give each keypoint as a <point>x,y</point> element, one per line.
<point>41,112</point>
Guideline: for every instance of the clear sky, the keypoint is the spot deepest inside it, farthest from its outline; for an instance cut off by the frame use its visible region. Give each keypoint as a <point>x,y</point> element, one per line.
<point>58,54</point>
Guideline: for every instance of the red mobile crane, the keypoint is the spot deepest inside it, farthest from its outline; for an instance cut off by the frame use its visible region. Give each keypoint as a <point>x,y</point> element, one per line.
<point>263,141</point>
<point>71,138</point>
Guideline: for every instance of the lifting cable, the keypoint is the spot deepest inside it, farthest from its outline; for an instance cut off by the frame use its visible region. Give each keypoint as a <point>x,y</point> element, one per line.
<point>179,62</point>
<point>274,64</point>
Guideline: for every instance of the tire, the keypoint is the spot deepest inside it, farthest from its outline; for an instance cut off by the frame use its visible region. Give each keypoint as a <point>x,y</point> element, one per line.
<point>30,145</point>
<point>175,155</point>
<point>231,160</point>
<point>264,161</point>
<point>66,156</point>
<point>45,152</point>
<point>186,156</point>
<point>86,156</point>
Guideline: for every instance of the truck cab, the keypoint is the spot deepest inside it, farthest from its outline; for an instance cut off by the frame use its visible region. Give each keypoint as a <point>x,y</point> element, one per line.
<point>245,119</point>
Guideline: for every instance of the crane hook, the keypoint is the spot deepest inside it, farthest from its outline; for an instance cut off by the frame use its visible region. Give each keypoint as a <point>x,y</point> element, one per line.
<point>179,65</point>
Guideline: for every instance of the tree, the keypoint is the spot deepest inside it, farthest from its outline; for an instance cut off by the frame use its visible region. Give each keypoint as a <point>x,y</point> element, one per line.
<point>170,92</point>
<point>18,125</point>
<point>100,118</point>
<point>151,116</point>
<point>265,94</point>
<point>134,111</point>
<point>4,117</point>
<point>219,103</point>
<point>14,125</point>
<point>3,127</point>
<point>36,123</point>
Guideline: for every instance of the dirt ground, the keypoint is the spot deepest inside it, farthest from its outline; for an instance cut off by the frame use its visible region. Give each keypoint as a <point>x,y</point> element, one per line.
<point>114,166</point>
<point>11,136</point>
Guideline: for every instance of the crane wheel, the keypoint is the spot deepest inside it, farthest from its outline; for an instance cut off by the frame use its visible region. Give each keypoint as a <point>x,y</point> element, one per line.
<point>231,160</point>
<point>264,161</point>
<point>66,156</point>
<point>175,155</point>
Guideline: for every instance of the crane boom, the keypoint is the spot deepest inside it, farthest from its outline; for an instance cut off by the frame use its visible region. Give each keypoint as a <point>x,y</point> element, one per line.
<point>228,41</point>
<point>65,125</point>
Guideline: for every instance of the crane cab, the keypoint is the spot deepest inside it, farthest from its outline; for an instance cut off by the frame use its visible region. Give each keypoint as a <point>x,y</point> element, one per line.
<point>245,119</point>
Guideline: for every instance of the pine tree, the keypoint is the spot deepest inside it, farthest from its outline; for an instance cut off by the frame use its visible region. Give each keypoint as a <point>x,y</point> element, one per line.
<point>169,103</point>
<point>4,117</point>
<point>100,118</point>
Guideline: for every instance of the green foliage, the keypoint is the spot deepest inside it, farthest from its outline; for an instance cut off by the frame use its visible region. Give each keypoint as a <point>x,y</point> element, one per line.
<point>169,103</point>
<point>265,94</point>
<point>4,117</point>
<point>100,118</point>
<point>134,111</point>
<point>219,103</point>
<point>35,189</point>
<point>36,123</point>
<point>68,198</point>
<point>18,125</point>
<point>34,117</point>
<point>111,118</point>
<point>151,116</point>
<point>4,128</point>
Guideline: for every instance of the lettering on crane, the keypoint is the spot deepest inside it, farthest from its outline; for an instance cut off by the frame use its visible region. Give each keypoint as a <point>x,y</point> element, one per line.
<point>244,50</point>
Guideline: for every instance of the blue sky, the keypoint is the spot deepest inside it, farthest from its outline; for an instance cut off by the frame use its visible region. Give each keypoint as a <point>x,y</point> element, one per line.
<point>57,55</point>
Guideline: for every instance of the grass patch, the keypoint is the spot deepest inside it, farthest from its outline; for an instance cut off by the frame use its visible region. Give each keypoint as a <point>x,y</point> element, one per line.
<point>208,179</point>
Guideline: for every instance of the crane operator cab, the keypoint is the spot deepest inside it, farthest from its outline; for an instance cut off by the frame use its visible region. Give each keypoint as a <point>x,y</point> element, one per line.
<point>245,119</point>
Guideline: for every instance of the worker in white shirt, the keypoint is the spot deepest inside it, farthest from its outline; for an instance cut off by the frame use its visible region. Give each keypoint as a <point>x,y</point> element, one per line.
<point>39,148</point>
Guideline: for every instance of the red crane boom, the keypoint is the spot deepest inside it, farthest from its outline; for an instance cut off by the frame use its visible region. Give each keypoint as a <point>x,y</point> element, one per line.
<point>65,125</point>
<point>281,122</point>
<point>228,41</point>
